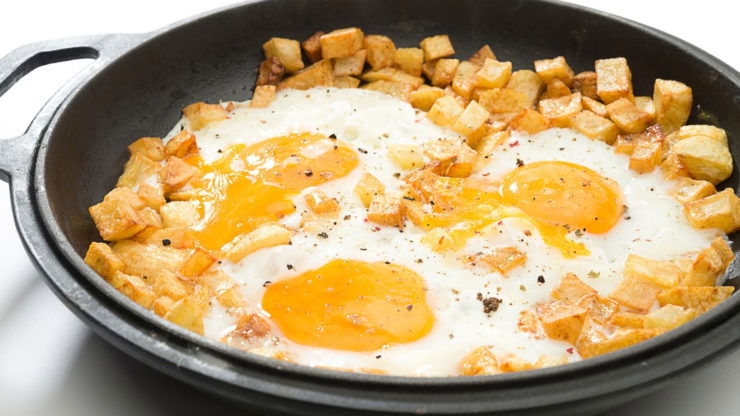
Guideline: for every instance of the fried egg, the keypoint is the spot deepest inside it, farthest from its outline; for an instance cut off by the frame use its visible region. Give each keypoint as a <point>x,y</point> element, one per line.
<point>353,295</point>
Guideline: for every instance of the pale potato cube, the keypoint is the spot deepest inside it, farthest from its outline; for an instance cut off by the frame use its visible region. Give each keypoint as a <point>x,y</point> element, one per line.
<point>712,132</point>
<point>502,100</point>
<point>436,47</point>
<point>320,203</point>
<point>445,111</point>
<point>668,317</point>
<point>562,321</point>
<point>424,97</point>
<point>627,116</point>
<point>673,167</point>
<point>720,210</point>
<point>636,292</point>
<point>263,96</point>
<point>439,240</point>
<point>494,74</point>
<point>393,74</point>
<point>528,83</point>
<point>170,237</point>
<point>722,248</point>
<point>471,121</point>
<point>628,319</point>
<point>350,65</point>
<point>197,264</point>
<point>590,338</point>
<point>312,46</point>
<point>454,158</point>
<point>162,305</point>
<point>288,51</point>
<point>488,144</point>
<point>150,147</point>
<point>594,106</point>
<point>559,110</point>
<point>465,79</point>
<point>125,196</point>
<point>556,68</point>
<point>156,262</point>
<point>700,299</point>
<point>137,170</point>
<point>136,289</point>
<point>704,267</point>
<point>645,156</point>
<point>116,220</point>
<point>396,89</point>
<point>613,80</point>
<point>201,114</point>
<point>367,188</point>
<point>346,82</point>
<point>444,72</point>
<point>177,214</point>
<point>530,121</point>
<point>571,289</point>
<point>687,190</point>
<point>181,145</point>
<point>341,42</point>
<point>381,51</point>
<point>406,156</point>
<point>646,105</point>
<point>585,83</point>
<point>502,259</point>
<point>528,322</point>
<point>479,362</point>
<point>595,127</point>
<point>673,102</point>
<point>663,273</point>
<point>409,60</point>
<point>480,56</point>
<point>621,340</point>
<point>268,235</point>
<point>176,173</point>
<point>224,288</point>
<point>386,210</point>
<point>321,73</point>
<point>705,158</point>
<point>101,258</point>
<point>189,311</point>
<point>600,309</point>
<point>556,89</point>
<point>427,68</point>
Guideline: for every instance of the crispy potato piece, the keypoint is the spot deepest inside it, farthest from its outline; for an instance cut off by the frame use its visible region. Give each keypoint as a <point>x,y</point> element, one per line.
<point>702,268</point>
<point>367,188</point>
<point>502,100</point>
<point>346,82</point>
<point>312,47</point>
<point>471,121</point>
<point>167,283</point>
<point>705,158</point>
<point>136,289</point>
<point>150,147</point>
<point>528,83</point>
<point>627,116</point>
<point>224,288</point>
<point>137,170</point>
<point>722,248</point>
<point>162,305</point>
<point>125,196</point>
<point>594,106</point>
<point>530,121</point>
<point>201,114</point>
<point>480,56</point>
<point>197,264</point>
<point>409,60</point>
<point>646,105</point>
<point>320,203</point>
<point>486,145</point>
<point>268,235</point>
<point>424,97</point>
<point>591,336</point>
<point>436,47</point>
<point>263,96</point>
<point>585,83</point>
<point>288,51</point>
<point>396,89</point>
<point>465,79</point>
<point>628,320</point>
<point>673,167</point>
<point>350,65</point>
<point>393,74</point>
<point>620,340</point>
<point>663,273</point>
<point>556,68</point>
<point>270,72</point>
<point>672,101</point>
<point>181,145</point>
<point>116,220</point>
<point>688,190</point>
<point>493,74</point>
<point>636,292</point>
<point>502,259</point>
<point>712,132</point>
<point>176,173</point>
<point>381,51</point>
<point>720,210</point>
<point>439,240</point>
<point>571,289</point>
<point>386,210</point>
<point>595,127</point>
<point>101,258</point>
<point>340,43</point>
<point>529,323</point>
<point>556,89</point>
<point>479,362</point>
<point>320,73</point>
<point>189,312</point>
<point>562,321</point>
<point>700,299</point>
<point>645,156</point>
<point>149,260</point>
<point>613,80</point>
<point>444,72</point>
<point>445,111</point>
<point>171,237</point>
<point>600,309</point>
<point>668,317</point>
<point>406,156</point>
<point>427,68</point>
<point>559,110</point>
<point>455,158</point>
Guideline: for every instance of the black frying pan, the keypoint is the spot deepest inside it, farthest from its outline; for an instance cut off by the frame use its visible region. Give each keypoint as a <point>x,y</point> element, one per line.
<point>74,149</point>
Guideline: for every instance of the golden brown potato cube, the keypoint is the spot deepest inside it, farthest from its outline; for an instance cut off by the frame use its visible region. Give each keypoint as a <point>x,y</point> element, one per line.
<point>368,188</point>
<point>668,317</point>
<point>268,235</point>
<point>150,217</point>
<point>479,57</point>
<point>409,60</point>
<point>135,289</point>
<point>176,173</point>
<point>646,105</point>
<point>636,292</point>
<point>621,339</point>
<point>595,127</point>
<point>444,72</point>
<point>530,121</point>
<point>528,83</point>
<point>493,74</point>
<point>571,289</point>
<point>350,65</point>
<point>201,114</point>
<point>559,110</point>
<point>590,338</point>
<point>556,68</point>
<point>181,145</point>
<point>645,156</point>
<point>556,89</point>
<point>714,133</point>
<point>171,237</point>
<point>386,210</point>
<point>528,322</point>
<point>672,101</point>
<point>688,190</point>
<point>663,273</point>
<point>340,43</point>
<point>705,158</point>
<point>162,305</point>
<point>101,258</point>
<point>396,89</point>
<point>445,111</point>
<point>700,299</point>
<point>406,156</point>
<point>197,264</point>
<point>152,261</point>
<point>125,196</point>
<point>628,320</point>
<point>137,170</point>
<point>270,72</point>
<point>424,97</point>
<point>189,311</point>
<point>346,82</point>
<point>502,100</point>
<point>320,203</point>
<point>479,362</point>
<point>562,321</point>
<point>720,210</point>
<point>673,167</point>
<point>449,91</point>
<point>312,47</point>
<point>320,73</point>
<point>722,248</point>
<point>627,116</point>
<point>381,51</point>
<point>613,80</point>
<point>178,214</point>
<point>438,240</point>
<point>455,158</point>
<point>600,309</point>
<point>393,74</point>
<point>436,47</point>
<point>626,143</point>
<point>471,121</point>
<point>594,106</point>
<point>503,259</point>
<point>488,144</point>
<point>701,268</point>
<point>465,79</point>
<point>263,96</point>
<point>150,147</point>
<point>225,289</point>
<point>585,83</point>
<point>288,51</point>
<point>427,68</point>
<point>115,220</point>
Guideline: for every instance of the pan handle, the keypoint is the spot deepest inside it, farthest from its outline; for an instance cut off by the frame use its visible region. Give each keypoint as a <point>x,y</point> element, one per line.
<point>16,153</point>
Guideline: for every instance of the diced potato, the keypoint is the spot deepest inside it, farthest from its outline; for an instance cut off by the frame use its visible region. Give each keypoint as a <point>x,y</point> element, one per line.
<point>137,170</point>
<point>562,321</point>
<point>197,264</point>
<point>320,73</point>
<point>663,273</point>
<point>613,80</point>
<point>406,156</point>
<point>116,220</point>
<point>386,210</point>
<point>427,68</point>
<point>720,210</point>
<point>439,240</point>
<point>150,147</point>
<point>445,111</point>
<point>263,96</point>
<point>151,218</point>
<point>136,289</point>
<point>628,320</point>
<point>556,89</point>
<point>101,258</point>
<point>181,145</point>
<point>471,121</point>
<point>722,248</point>
<point>636,292</point>
<point>528,83</point>
<point>189,312</point>
<point>350,65</point>
<point>528,322</point>
<point>393,74</point>
<point>571,289</point>
<point>494,74</point>
<point>176,173</point>
<point>340,43</point>
<point>646,105</point>
<point>480,56</point>
<point>320,203</point>
<point>673,167</point>
<point>396,89</point>
<point>125,196</point>
<point>502,259</point>
<point>162,305</point>
<point>705,158</point>
<point>288,51</point>
<point>668,317</point>
<point>688,190</point>
<point>346,82</point>
<point>702,268</point>
<point>409,60</point>
<point>502,100</point>
<point>672,101</point>
<point>530,121</point>
<point>465,79</point>
<point>600,309</point>
<point>268,235</point>
<point>595,127</point>
<point>201,114</point>
<point>556,68</point>
<point>590,337</point>
<point>171,237</point>
<point>424,97</point>
<point>559,110</point>
<point>224,288</point>
<point>585,83</point>
<point>368,188</point>
<point>455,158</point>
<point>149,260</point>
<point>479,362</point>
<point>167,283</point>
<point>176,214</point>
<point>270,72</point>
<point>700,299</point>
<point>594,106</point>
<point>645,156</point>
<point>444,72</point>
<point>627,116</point>
<point>436,47</point>
<point>381,51</point>
<point>312,47</point>
<point>715,133</point>
<point>620,340</point>
<point>487,144</point>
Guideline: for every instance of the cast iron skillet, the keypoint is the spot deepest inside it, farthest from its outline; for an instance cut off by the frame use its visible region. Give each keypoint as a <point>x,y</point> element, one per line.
<point>74,149</point>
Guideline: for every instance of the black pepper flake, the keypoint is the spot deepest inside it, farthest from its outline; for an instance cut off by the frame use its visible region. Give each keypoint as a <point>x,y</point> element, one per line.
<point>166,242</point>
<point>378,356</point>
<point>387,262</point>
<point>419,261</point>
<point>490,304</point>
<point>323,235</point>
<point>519,163</point>
<point>289,266</point>
<point>333,136</point>
<point>579,233</point>
<point>409,307</point>
<point>363,151</point>
<point>267,283</point>
<point>308,173</point>
<point>347,217</point>
<point>409,198</point>
<point>397,175</point>
<point>220,151</point>
<point>540,279</point>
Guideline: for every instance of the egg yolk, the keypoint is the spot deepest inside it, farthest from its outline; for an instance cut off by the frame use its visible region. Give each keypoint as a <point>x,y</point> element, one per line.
<point>252,185</point>
<point>351,305</point>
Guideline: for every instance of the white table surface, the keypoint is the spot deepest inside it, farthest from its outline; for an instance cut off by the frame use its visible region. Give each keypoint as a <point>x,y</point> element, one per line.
<point>51,364</point>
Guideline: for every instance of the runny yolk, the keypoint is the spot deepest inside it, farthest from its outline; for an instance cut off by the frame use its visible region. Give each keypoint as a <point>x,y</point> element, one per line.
<point>351,305</point>
<point>252,185</point>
